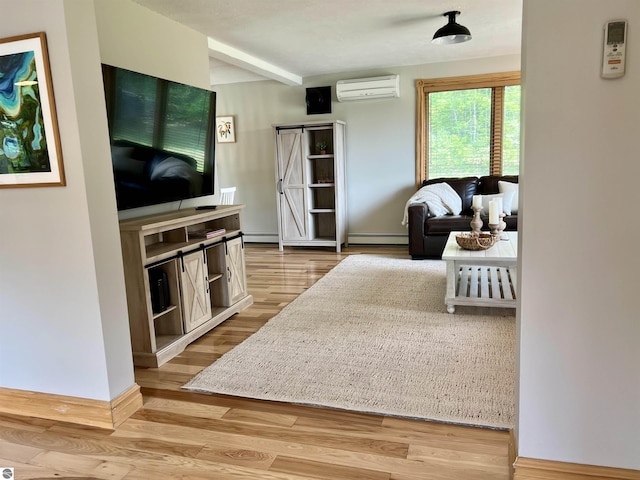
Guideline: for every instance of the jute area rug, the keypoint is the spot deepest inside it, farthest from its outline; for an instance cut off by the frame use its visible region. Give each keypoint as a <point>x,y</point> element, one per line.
<point>373,335</point>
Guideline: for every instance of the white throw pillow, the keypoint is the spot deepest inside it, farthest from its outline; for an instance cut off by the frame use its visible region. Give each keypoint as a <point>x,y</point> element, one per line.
<point>504,187</point>
<point>507,200</point>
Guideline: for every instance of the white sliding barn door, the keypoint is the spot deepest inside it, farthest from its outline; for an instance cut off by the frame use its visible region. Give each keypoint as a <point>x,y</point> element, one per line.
<point>195,291</point>
<point>292,185</point>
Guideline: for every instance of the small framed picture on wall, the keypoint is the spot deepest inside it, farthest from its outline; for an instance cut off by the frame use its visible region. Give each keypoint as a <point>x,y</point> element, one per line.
<point>225,129</point>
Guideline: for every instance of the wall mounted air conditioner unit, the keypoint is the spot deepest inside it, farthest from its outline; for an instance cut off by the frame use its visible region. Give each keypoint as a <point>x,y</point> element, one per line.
<point>368,88</point>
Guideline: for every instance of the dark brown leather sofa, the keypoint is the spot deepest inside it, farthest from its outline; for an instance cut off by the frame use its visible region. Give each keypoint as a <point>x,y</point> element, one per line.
<point>428,235</point>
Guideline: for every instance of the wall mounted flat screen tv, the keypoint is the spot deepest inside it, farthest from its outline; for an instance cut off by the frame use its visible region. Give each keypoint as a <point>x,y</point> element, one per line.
<point>162,138</point>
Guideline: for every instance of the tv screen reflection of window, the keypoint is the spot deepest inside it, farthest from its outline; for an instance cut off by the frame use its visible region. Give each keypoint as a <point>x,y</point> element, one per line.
<point>162,138</point>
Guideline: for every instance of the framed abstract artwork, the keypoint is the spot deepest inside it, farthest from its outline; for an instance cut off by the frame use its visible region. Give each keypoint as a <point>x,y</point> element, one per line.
<point>30,151</point>
<point>225,129</point>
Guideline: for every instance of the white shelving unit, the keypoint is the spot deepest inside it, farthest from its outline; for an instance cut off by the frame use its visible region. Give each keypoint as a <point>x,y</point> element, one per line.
<point>311,185</point>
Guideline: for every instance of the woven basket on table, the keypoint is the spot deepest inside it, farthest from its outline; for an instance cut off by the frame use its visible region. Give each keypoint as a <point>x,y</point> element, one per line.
<point>470,241</point>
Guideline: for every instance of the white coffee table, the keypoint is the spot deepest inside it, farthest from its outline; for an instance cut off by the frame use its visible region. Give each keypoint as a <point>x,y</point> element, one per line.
<point>484,278</point>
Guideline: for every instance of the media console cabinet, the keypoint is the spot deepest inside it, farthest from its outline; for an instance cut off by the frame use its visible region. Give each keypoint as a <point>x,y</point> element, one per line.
<point>179,284</point>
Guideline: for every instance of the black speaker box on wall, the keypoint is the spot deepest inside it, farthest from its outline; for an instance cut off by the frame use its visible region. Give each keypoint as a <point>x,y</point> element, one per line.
<point>318,100</point>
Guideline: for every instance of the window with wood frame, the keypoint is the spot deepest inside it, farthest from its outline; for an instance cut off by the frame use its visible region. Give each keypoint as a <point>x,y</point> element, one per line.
<point>468,126</point>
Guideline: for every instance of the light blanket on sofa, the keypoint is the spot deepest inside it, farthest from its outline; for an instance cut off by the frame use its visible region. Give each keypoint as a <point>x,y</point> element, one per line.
<point>441,199</point>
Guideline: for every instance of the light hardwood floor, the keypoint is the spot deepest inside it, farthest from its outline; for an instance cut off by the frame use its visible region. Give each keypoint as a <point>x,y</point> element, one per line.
<point>183,435</point>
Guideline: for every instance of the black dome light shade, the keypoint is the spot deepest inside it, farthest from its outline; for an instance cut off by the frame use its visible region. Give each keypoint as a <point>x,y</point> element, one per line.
<point>452,32</point>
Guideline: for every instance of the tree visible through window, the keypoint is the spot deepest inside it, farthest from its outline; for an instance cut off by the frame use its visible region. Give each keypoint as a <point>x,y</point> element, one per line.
<point>511,131</point>
<point>459,133</point>
<point>468,126</point>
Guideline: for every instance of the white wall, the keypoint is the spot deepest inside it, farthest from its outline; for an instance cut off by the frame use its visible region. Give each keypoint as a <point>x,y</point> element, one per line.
<point>63,312</point>
<point>62,298</point>
<point>579,356</point>
<point>105,235</point>
<point>380,147</point>
<point>138,39</point>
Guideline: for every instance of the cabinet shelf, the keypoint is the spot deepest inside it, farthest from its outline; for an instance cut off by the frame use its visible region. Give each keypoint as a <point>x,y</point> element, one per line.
<point>213,278</point>
<point>318,156</point>
<point>164,340</point>
<point>326,240</point>
<point>170,309</point>
<point>161,250</point>
<point>322,185</point>
<point>322,210</point>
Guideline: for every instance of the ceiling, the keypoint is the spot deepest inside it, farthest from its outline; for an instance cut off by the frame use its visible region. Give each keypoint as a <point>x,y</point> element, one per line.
<point>291,39</point>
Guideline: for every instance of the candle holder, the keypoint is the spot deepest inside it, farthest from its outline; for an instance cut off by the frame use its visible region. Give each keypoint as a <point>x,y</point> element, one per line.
<point>495,230</point>
<point>476,222</point>
<point>501,226</point>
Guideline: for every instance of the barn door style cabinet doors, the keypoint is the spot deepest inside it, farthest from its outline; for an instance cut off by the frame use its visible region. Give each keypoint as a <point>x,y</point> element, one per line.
<point>184,275</point>
<point>311,184</point>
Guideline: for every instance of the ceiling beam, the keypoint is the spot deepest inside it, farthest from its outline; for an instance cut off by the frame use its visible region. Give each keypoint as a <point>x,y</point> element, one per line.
<point>236,57</point>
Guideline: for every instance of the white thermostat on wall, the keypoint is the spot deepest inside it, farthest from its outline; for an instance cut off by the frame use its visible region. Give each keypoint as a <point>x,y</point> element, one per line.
<point>615,42</point>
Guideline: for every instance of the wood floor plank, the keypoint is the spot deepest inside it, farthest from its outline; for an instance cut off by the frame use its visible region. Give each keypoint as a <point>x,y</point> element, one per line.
<point>328,419</point>
<point>107,447</point>
<point>81,431</point>
<point>446,439</point>
<point>193,436</point>
<point>254,475</point>
<point>12,452</point>
<point>26,423</point>
<point>324,471</point>
<point>472,459</point>
<point>266,406</point>
<point>200,469</point>
<point>462,431</point>
<point>315,453</point>
<point>451,474</point>
<point>237,456</point>
<point>190,370</point>
<point>378,447</point>
<point>244,415</point>
<point>78,464</point>
<point>188,408</point>
<point>25,471</point>
<point>99,459</point>
<point>464,445</point>
<point>147,474</point>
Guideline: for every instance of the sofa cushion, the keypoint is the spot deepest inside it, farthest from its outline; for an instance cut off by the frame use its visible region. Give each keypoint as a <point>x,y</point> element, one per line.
<point>465,187</point>
<point>447,224</point>
<point>507,199</point>
<point>451,223</point>
<point>508,187</point>
<point>489,184</point>
<point>512,222</point>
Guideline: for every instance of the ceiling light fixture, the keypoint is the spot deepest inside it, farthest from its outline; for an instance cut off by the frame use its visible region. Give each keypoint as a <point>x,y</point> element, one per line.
<point>452,32</point>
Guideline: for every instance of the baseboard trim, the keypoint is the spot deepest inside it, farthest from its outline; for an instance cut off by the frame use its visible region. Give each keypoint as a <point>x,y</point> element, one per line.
<point>83,411</point>
<point>125,405</point>
<point>260,238</point>
<point>352,238</point>
<point>378,239</point>
<point>513,453</point>
<point>536,469</point>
